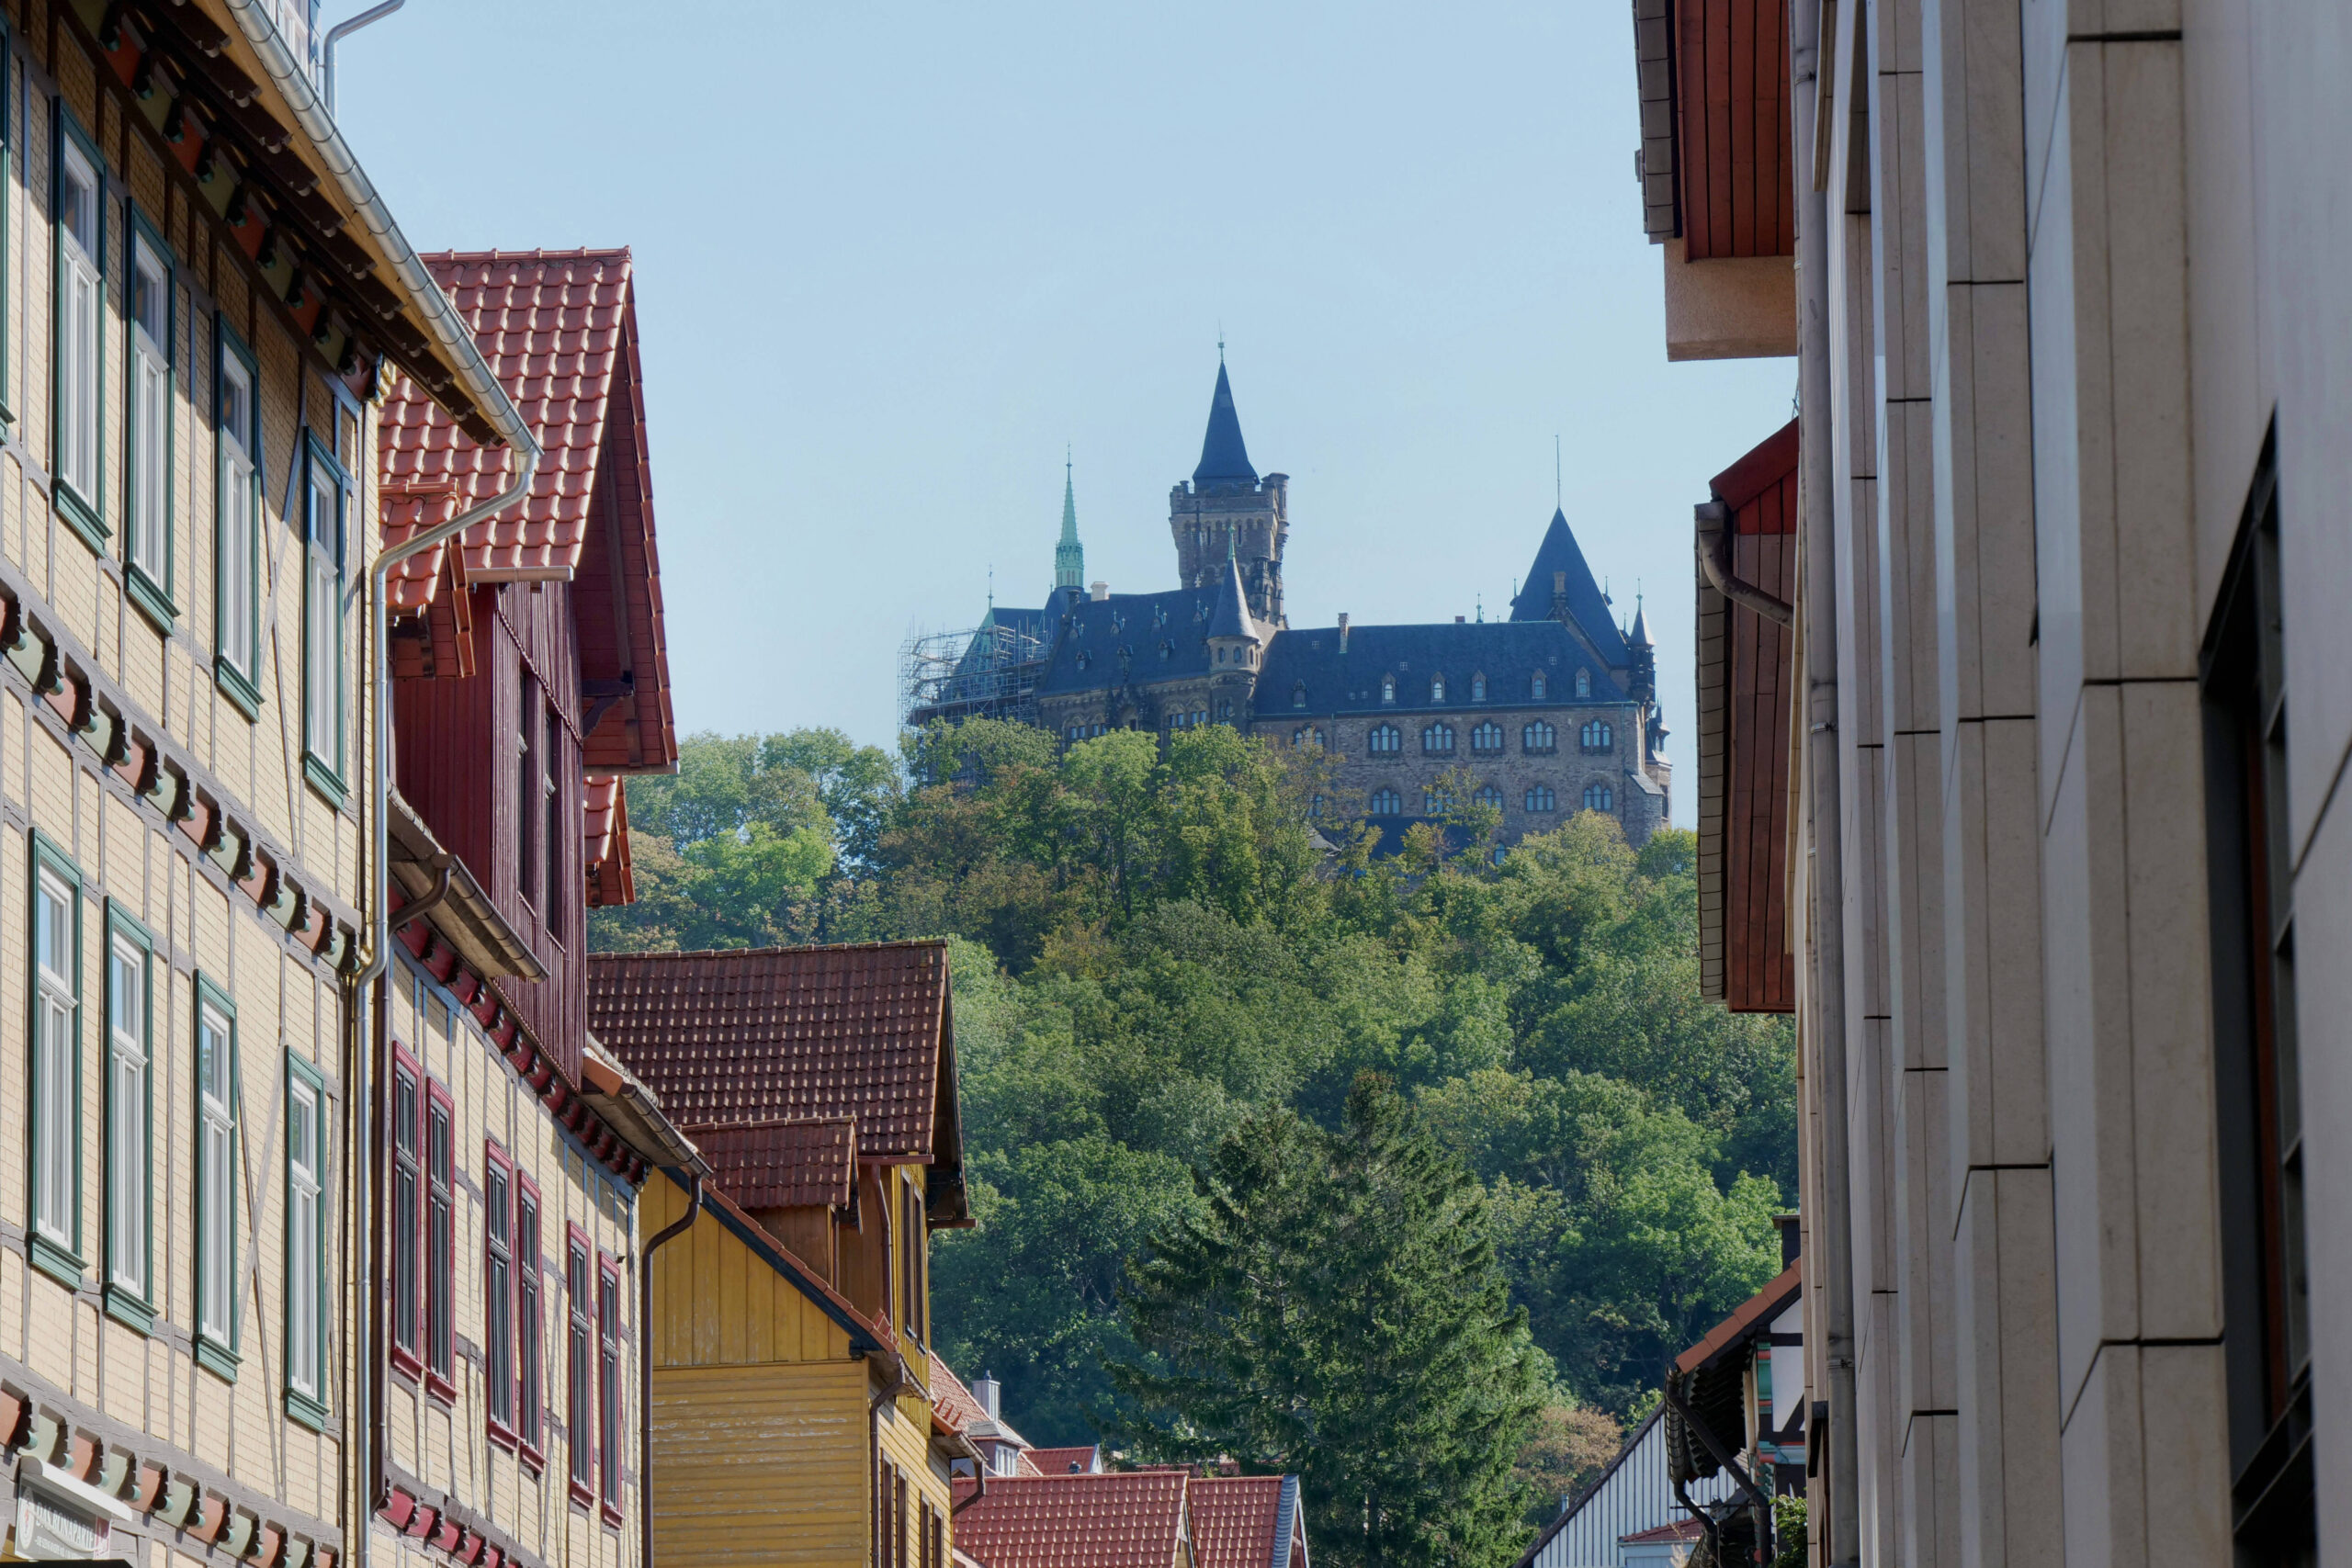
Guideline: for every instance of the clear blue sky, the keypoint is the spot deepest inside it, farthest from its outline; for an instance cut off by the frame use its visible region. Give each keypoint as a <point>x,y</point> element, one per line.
<point>892,255</point>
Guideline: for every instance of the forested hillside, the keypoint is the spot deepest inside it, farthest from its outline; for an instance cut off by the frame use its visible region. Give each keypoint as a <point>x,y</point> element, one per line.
<point>1151,951</point>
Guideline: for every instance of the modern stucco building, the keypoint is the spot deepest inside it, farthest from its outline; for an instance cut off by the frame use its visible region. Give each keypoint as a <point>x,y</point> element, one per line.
<point>2046,721</point>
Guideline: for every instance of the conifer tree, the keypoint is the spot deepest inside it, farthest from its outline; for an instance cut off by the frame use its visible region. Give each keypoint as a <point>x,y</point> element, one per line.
<point>1337,1311</point>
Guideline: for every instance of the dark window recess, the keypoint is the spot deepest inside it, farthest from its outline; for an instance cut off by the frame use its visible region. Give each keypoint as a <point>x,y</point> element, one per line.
<point>408,1180</point>
<point>580,1396</point>
<point>528,1321</point>
<point>527,785</point>
<point>441,1276</point>
<point>2266,1337</point>
<point>552,807</point>
<point>498,1296</point>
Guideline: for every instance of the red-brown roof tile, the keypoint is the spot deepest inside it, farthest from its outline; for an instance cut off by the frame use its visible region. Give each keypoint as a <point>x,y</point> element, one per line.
<point>1057,1462</point>
<point>783,1164</point>
<point>763,1033</point>
<point>605,809</point>
<point>1129,1519</point>
<point>1751,1317</point>
<point>1236,1520</point>
<point>950,1398</point>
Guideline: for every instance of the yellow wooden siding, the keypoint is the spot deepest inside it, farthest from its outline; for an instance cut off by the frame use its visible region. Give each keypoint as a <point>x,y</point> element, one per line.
<point>715,1303</point>
<point>764,1465</point>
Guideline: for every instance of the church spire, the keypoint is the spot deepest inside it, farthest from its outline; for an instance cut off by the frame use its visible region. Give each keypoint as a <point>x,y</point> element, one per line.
<point>1069,556</point>
<point>1224,458</point>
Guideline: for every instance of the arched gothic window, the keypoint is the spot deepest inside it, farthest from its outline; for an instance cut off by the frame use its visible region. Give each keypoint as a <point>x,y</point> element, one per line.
<point>1584,683</point>
<point>1600,797</point>
<point>1541,798</point>
<point>1539,686</point>
<point>1597,735</point>
<point>1487,738</point>
<point>1489,795</point>
<point>1385,740</point>
<point>1539,737</point>
<point>1436,802</point>
<point>1386,802</point>
<point>1437,740</point>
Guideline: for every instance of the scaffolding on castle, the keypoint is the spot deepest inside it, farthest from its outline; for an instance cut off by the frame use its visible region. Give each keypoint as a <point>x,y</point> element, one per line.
<point>989,671</point>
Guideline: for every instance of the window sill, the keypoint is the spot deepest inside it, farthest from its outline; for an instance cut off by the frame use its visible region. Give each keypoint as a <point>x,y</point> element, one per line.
<point>304,1411</point>
<point>217,1359</point>
<point>612,1516</point>
<point>406,1365</point>
<point>152,601</point>
<point>129,1310</point>
<point>54,1261</point>
<point>324,780</point>
<point>81,516</point>
<point>499,1435</point>
<point>533,1460</point>
<point>1539,752</point>
<point>581,1498</point>
<point>440,1390</point>
<point>243,695</point>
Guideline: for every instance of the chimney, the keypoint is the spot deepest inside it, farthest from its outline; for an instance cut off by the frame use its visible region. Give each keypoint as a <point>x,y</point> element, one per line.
<point>1457,620</point>
<point>985,1390</point>
<point>1791,1237</point>
<point>1343,631</point>
<point>1559,582</point>
<point>1098,592</point>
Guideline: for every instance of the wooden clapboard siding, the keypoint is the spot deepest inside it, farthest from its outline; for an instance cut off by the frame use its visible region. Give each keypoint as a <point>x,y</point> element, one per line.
<point>1733,123</point>
<point>764,1464</point>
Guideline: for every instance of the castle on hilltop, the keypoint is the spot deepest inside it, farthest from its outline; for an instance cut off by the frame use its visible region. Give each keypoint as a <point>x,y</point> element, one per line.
<point>1550,712</point>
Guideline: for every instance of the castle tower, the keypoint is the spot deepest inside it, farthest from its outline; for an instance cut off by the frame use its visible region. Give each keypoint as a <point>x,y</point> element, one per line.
<point>1069,556</point>
<point>1228,511</point>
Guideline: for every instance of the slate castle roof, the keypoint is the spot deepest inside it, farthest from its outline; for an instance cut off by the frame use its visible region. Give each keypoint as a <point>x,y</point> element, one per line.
<point>1558,553</point>
<point>1507,652</point>
<point>1224,458</point>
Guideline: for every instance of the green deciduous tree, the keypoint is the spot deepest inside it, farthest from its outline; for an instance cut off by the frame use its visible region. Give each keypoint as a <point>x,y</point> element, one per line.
<point>1337,1311</point>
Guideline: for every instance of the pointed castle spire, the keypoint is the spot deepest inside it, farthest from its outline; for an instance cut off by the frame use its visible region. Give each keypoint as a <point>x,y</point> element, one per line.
<point>1223,459</point>
<point>1069,556</point>
<point>1560,585</point>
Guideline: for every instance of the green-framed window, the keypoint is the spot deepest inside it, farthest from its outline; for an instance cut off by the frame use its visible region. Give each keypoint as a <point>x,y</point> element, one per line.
<point>148,373</point>
<point>215,1179</point>
<point>306,1242</point>
<point>326,492</point>
<point>236,459</point>
<point>78,208</point>
<point>54,1240</point>
<point>130,1120</point>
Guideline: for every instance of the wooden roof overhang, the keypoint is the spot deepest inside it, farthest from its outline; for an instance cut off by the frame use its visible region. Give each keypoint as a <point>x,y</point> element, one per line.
<point>1716,162</point>
<point>1745,690</point>
<point>196,90</point>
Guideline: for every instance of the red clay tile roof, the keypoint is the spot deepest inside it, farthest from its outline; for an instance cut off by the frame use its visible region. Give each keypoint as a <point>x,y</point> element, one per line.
<point>1680,1529</point>
<point>1130,1520</point>
<point>604,806</point>
<point>558,329</point>
<point>1056,1462</point>
<point>1237,1521</point>
<point>783,1164</point>
<point>1753,1315</point>
<point>950,1398</point>
<point>753,1035</point>
<point>549,324</point>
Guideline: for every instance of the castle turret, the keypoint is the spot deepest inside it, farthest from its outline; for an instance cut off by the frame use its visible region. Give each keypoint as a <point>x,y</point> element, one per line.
<point>1069,556</point>
<point>1229,511</point>
<point>1236,641</point>
<point>1644,685</point>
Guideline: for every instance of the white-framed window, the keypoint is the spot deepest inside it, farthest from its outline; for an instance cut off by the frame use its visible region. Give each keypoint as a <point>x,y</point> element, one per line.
<point>441,1239</point>
<point>237,442</point>
<point>324,491</point>
<point>1437,688</point>
<point>609,1407</point>
<point>147,511</point>
<point>498,1290</point>
<point>1600,797</point>
<point>1388,688</point>
<point>130,998</point>
<point>529,1320</point>
<point>56,1062</point>
<point>81,312</point>
<point>215,1179</point>
<point>306,1290</point>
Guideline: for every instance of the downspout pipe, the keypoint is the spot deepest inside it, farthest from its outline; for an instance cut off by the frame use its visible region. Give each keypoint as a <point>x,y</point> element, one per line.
<point>1812,54</point>
<point>1713,522</point>
<point>344,29</point>
<point>659,1239</point>
<point>438,317</point>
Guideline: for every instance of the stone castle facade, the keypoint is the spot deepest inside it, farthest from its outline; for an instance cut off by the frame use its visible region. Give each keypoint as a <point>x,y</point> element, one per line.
<point>1550,712</point>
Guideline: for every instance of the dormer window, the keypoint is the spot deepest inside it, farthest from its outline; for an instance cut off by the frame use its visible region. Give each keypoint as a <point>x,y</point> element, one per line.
<point>1166,649</point>
<point>1388,688</point>
<point>1540,686</point>
<point>1478,687</point>
<point>1298,695</point>
<point>1584,683</point>
<point>1437,688</point>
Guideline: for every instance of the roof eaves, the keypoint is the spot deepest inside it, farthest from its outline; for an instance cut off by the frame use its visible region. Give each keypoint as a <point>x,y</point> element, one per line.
<point>1751,1317</point>
<point>862,1339</point>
